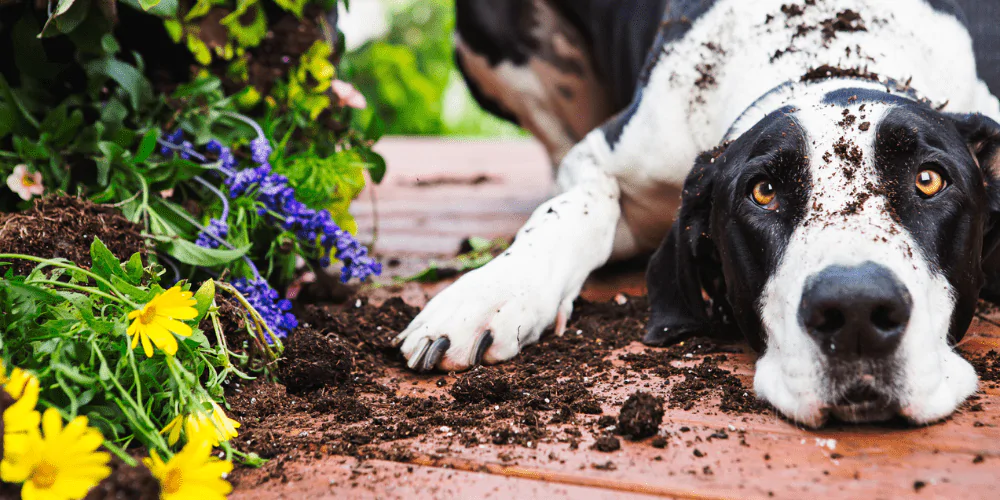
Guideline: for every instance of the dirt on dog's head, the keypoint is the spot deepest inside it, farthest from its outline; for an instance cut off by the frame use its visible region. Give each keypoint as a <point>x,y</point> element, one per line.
<point>848,235</point>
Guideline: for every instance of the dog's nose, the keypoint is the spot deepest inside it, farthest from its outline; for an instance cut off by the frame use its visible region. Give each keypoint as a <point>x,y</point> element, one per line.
<point>856,312</point>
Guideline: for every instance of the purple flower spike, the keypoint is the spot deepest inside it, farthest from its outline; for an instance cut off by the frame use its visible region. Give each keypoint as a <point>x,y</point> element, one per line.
<point>260,150</point>
<point>217,228</point>
<point>264,299</point>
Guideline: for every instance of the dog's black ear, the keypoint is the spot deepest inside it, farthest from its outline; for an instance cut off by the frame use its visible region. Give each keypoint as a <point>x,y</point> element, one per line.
<point>685,270</point>
<point>982,135</point>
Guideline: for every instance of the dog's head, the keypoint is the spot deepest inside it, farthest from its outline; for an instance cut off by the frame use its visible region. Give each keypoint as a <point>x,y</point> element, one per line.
<point>848,236</point>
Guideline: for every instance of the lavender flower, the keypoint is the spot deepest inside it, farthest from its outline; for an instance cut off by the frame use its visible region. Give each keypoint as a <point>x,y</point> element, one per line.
<point>213,235</point>
<point>266,301</point>
<point>226,158</point>
<point>260,149</point>
<point>314,227</point>
<point>174,139</point>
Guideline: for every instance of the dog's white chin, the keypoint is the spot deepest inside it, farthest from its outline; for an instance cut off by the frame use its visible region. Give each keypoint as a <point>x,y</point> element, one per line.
<point>926,394</point>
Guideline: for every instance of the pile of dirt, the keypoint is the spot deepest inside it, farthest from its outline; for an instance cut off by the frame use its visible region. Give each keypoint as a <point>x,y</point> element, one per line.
<point>313,360</point>
<point>65,227</point>
<point>640,416</point>
<point>125,482</point>
<point>482,384</point>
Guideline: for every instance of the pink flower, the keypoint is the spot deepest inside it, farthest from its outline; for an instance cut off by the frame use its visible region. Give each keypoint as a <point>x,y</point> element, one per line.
<point>24,183</point>
<point>167,193</point>
<point>348,95</point>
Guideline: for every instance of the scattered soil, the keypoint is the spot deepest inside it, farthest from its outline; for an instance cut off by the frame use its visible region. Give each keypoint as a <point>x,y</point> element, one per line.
<point>312,360</point>
<point>640,416</point>
<point>988,367</point>
<point>827,71</point>
<point>454,181</point>
<point>65,227</point>
<point>549,393</point>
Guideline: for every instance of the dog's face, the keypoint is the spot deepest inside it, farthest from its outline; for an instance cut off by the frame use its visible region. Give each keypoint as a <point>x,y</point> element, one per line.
<point>848,236</point>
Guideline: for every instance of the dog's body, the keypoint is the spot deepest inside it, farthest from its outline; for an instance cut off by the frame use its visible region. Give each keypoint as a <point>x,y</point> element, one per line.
<point>808,96</point>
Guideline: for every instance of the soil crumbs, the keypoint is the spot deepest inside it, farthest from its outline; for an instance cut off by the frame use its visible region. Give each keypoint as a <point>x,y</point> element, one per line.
<point>65,227</point>
<point>551,393</point>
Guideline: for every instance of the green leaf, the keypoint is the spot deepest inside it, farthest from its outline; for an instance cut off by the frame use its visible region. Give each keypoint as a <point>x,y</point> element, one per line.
<point>192,254</point>
<point>137,294</point>
<point>133,269</point>
<point>104,373</point>
<point>375,165</point>
<point>162,8</point>
<point>103,262</point>
<point>147,145</point>
<point>66,17</point>
<point>109,44</point>
<point>293,6</point>
<point>174,29</point>
<point>128,78</point>
<point>246,35</point>
<point>203,298</point>
<point>148,4</point>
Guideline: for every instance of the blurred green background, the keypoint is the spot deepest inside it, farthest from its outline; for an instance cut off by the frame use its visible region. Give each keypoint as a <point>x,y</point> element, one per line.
<point>400,57</point>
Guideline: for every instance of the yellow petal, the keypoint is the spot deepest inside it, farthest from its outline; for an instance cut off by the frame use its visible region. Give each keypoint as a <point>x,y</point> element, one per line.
<point>51,423</point>
<point>173,326</point>
<point>146,346</point>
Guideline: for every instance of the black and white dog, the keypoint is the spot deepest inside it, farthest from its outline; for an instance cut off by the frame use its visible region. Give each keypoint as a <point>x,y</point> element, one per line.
<point>843,217</point>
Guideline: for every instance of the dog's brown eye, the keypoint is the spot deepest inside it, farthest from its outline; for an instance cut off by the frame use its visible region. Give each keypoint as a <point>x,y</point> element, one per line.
<point>930,182</point>
<point>764,194</point>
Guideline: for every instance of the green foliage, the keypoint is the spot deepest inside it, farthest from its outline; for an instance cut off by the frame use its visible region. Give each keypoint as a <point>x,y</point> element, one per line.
<point>409,75</point>
<point>68,326</point>
<point>51,135</point>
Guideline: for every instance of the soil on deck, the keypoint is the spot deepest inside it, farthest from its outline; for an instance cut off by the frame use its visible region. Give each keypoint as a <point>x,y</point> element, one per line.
<point>546,393</point>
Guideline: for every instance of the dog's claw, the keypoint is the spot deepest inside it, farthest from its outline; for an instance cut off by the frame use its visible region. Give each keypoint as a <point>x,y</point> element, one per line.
<point>419,353</point>
<point>396,342</point>
<point>482,344</point>
<point>434,354</point>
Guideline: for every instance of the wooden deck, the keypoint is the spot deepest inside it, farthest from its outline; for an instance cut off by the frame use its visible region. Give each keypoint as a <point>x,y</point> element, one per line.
<point>438,193</point>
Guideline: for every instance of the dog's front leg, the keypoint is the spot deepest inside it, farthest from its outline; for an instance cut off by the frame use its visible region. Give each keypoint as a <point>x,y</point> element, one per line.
<point>489,314</point>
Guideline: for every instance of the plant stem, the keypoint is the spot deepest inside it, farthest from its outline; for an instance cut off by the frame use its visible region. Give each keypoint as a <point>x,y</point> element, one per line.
<point>120,453</point>
<point>83,289</point>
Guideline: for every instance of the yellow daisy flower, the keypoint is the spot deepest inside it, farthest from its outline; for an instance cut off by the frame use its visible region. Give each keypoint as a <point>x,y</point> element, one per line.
<point>214,428</point>
<point>157,321</point>
<point>192,473</point>
<point>63,465</point>
<point>20,419</point>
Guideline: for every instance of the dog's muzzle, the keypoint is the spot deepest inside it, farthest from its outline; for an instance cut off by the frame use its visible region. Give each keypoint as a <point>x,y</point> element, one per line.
<point>857,316</point>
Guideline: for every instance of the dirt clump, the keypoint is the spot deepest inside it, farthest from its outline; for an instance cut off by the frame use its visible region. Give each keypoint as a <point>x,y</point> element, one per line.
<point>846,21</point>
<point>607,444</point>
<point>640,416</point>
<point>125,482</point>
<point>482,384</point>
<point>312,360</point>
<point>65,227</point>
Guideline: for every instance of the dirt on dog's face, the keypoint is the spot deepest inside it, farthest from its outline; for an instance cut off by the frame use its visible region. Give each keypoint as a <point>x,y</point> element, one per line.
<point>844,235</point>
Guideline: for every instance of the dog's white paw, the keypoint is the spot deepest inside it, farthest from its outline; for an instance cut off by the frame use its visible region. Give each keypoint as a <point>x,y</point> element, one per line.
<point>486,316</point>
